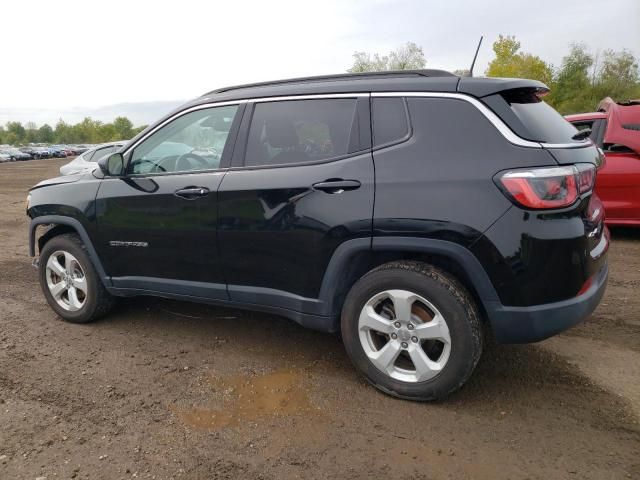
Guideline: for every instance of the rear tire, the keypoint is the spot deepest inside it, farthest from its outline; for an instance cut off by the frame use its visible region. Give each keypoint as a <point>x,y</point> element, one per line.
<point>413,330</point>
<point>70,282</point>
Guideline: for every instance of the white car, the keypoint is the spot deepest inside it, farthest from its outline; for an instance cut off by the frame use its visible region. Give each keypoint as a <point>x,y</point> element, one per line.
<point>87,161</point>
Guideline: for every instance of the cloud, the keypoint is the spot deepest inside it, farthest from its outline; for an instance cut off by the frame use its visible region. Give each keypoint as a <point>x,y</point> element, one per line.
<point>76,53</point>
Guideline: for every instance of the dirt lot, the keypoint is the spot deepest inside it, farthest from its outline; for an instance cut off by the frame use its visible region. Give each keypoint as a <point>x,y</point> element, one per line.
<point>162,389</point>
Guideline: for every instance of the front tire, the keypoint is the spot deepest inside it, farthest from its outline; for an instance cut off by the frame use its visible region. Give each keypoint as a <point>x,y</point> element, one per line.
<point>413,330</point>
<point>69,281</point>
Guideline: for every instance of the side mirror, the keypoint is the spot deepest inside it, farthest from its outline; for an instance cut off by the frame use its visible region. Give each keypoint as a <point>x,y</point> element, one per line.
<point>112,165</point>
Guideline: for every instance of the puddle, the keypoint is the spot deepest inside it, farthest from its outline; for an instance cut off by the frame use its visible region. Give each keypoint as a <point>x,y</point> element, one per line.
<point>249,398</point>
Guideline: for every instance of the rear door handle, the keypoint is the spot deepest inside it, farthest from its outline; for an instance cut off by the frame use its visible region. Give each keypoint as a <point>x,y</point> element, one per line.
<point>336,185</point>
<point>191,193</point>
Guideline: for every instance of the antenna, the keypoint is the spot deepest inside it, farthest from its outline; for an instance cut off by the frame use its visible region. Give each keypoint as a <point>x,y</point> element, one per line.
<point>475,56</point>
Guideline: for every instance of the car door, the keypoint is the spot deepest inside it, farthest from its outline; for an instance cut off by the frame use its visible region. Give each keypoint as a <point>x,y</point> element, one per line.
<point>158,223</point>
<point>302,183</point>
<point>618,184</point>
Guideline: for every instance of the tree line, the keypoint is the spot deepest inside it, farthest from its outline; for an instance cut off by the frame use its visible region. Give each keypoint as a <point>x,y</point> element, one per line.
<point>577,85</point>
<point>86,131</point>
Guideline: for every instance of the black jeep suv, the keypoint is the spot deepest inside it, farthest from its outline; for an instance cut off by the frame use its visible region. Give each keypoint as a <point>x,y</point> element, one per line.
<point>415,212</point>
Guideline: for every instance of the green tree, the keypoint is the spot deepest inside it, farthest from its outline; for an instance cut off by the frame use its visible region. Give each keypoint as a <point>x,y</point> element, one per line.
<point>45,134</point>
<point>407,57</point>
<point>63,132</point>
<point>106,132</point>
<point>572,91</point>
<point>618,76</point>
<point>580,83</point>
<point>16,133</point>
<point>139,129</point>
<point>511,62</point>
<point>86,131</point>
<point>123,128</point>
<point>31,132</point>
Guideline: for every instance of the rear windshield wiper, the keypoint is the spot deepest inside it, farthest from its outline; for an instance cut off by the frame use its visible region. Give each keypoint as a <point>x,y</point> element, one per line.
<point>582,134</point>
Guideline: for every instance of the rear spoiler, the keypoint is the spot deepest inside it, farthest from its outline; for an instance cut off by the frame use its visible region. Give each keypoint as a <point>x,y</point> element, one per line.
<point>482,86</point>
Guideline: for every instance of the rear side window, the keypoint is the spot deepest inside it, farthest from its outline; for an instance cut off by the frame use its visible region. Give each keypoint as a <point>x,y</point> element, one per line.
<point>390,120</point>
<point>543,122</point>
<point>300,131</point>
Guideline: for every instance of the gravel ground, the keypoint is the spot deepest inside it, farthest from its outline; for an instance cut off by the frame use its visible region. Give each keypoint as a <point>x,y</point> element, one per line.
<point>163,389</point>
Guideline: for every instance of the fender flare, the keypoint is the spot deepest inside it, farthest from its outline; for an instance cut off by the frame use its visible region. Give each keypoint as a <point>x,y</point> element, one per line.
<point>84,236</point>
<point>343,255</point>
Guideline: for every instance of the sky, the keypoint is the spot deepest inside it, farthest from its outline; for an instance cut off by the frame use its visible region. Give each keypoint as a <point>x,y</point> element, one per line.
<point>78,55</point>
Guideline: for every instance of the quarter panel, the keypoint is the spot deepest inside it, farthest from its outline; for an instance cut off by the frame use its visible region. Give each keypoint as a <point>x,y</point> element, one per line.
<point>438,184</point>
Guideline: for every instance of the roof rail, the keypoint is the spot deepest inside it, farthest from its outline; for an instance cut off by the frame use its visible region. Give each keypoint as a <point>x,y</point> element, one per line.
<point>340,76</point>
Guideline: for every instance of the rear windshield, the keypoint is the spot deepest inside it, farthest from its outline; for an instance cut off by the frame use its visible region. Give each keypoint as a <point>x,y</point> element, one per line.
<point>541,120</point>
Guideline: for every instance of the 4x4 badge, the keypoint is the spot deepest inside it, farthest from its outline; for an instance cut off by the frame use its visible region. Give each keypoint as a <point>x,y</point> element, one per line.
<point>118,243</point>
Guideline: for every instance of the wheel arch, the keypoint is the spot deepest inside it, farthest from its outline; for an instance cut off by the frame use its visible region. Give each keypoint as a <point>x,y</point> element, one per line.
<point>354,258</point>
<point>61,225</point>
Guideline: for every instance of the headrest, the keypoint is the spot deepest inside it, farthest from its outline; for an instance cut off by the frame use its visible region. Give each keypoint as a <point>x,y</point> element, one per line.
<point>221,124</point>
<point>280,133</point>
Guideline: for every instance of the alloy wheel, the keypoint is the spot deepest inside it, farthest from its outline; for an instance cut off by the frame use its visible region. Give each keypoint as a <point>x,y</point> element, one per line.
<point>66,281</point>
<point>404,335</point>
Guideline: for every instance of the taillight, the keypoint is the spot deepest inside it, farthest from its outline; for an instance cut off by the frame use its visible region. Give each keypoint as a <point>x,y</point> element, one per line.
<point>548,187</point>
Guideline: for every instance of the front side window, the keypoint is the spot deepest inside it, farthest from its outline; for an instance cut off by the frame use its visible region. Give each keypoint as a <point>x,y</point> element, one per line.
<point>300,131</point>
<point>195,141</point>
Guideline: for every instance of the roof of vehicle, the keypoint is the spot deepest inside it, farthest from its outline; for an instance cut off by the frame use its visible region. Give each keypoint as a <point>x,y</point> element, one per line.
<point>389,81</point>
<point>402,80</point>
<point>108,144</point>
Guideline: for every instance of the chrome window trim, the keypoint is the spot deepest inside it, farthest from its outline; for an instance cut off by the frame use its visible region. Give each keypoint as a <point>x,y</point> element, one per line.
<point>178,115</point>
<point>492,117</point>
<point>488,113</point>
<point>239,102</point>
<point>496,121</point>
<point>309,97</point>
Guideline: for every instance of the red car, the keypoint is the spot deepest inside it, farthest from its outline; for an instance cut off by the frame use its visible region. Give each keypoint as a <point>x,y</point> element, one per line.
<point>615,128</point>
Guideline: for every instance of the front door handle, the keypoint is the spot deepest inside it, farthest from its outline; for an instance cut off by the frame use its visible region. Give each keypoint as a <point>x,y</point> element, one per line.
<point>337,185</point>
<point>191,193</point>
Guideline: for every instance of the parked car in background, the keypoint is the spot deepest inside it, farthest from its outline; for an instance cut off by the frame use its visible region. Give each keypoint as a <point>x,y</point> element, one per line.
<point>87,161</point>
<point>29,151</point>
<point>79,149</point>
<point>5,158</point>
<point>18,154</point>
<point>58,151</point>
<point>615,128</point>
<point>15,154</point>
<point>41,152</point>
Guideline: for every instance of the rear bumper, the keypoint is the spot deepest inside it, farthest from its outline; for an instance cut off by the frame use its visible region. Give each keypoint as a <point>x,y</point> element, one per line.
<point>535,323</point>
